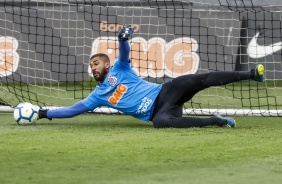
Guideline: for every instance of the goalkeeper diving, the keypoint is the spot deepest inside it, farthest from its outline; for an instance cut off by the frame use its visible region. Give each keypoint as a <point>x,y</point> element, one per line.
<point>120,88</point>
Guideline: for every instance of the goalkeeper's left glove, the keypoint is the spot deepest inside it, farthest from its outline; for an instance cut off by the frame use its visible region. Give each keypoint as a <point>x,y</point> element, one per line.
<point>42,113</point>
<point>124,33</point>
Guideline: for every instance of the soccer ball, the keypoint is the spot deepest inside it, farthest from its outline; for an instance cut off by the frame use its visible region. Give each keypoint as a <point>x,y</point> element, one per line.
<point>25,113</point>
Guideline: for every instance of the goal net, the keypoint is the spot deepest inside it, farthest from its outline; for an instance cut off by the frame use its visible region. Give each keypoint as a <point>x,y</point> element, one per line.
<point>45,47</point>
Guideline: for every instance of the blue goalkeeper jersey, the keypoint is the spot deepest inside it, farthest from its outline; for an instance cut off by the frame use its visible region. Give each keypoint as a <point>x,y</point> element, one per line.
<point>123,90</point>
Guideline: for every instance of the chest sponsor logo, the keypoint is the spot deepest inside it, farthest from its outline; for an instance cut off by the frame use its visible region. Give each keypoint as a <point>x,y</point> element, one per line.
<point>112,80</point>
<point>142,109</point>
<point>9,58</point>
<point>118,94</point>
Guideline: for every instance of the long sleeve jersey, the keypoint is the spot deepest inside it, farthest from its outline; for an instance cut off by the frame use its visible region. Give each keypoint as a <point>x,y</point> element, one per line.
<point>123,90</point>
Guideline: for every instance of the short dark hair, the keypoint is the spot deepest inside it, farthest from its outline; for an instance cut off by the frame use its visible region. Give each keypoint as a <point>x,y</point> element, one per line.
<point>103,56</point>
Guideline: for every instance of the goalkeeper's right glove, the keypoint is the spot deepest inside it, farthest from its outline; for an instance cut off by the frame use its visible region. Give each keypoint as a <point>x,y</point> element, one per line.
<point>125,33</point>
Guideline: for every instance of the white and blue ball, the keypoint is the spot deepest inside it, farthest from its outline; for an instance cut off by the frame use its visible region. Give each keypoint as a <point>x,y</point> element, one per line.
<point>25,113</point>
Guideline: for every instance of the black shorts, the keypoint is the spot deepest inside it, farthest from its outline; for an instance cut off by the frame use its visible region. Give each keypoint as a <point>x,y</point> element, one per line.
<point>176,92</point>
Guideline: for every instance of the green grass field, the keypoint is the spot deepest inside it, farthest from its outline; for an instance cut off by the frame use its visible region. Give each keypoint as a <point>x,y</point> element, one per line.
<point>120,149</point>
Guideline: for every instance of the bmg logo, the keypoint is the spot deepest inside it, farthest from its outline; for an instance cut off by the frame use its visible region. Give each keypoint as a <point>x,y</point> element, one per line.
<point>154,57</point>
<point>9,58</point>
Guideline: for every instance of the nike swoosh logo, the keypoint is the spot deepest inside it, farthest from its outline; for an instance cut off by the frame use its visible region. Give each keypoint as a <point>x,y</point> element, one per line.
<point>258,51</point>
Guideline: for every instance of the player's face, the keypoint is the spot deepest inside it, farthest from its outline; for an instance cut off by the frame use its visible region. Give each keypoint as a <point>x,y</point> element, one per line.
<point>99,68</point>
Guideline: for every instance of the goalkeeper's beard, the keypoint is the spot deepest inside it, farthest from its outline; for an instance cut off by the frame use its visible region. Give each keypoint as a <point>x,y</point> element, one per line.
<point>101,75</point>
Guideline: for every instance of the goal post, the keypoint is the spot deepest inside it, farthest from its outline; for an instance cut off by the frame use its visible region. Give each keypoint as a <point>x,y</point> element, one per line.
<point>45,47</point>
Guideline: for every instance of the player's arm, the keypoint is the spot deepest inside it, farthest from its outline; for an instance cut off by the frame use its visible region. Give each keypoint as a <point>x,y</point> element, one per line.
<point>66,112</point>
<point>123,46</point>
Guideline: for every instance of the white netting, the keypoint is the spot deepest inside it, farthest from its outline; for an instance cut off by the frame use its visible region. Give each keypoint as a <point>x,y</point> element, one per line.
<point>46,45</point>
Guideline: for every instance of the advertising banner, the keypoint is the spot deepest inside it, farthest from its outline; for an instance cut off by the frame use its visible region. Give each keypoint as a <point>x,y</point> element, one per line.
<point>54,43</point>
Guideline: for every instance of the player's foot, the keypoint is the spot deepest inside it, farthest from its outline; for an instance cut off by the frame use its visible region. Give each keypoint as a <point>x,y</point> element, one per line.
<point>230,122</point>
<point>259,73</point>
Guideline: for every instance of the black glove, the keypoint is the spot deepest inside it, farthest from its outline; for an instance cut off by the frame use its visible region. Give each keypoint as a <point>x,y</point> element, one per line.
<point>42,113</point>
<point>124,33</point>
